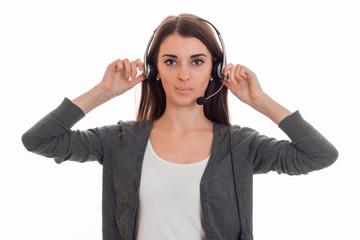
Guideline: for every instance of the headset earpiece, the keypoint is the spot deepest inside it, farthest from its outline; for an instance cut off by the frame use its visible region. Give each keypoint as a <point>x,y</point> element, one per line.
<point>220,70</point>
<point>217,71</point>
<point>149,71</point>
<point>152,71</point>
<point>146,70</point>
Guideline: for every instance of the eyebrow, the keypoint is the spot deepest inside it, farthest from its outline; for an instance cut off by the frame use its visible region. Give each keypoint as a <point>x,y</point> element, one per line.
<point>192,56</point>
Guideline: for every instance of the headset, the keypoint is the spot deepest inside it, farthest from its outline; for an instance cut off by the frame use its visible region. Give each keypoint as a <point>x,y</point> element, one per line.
<point>217,72</point>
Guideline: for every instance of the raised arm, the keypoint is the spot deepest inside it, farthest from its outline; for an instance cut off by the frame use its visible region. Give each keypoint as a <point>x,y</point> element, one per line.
<point>52,136</point>
<point>243,83</point>
<point>307,151</point>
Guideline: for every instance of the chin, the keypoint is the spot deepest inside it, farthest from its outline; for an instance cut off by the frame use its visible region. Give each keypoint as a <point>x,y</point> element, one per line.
<point>183,102</point>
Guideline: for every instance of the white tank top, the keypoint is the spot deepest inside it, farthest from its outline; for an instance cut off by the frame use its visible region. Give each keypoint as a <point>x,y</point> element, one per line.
<point>169,199</point>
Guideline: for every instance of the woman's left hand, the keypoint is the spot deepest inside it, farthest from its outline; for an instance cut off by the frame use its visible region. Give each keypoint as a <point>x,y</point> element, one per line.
<point>243,83</point>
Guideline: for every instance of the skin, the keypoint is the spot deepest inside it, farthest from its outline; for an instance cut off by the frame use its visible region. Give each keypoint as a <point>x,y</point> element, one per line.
<point>184,66</point>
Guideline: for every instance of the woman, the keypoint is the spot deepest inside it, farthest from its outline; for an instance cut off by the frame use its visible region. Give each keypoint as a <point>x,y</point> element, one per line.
<point>180,171</point>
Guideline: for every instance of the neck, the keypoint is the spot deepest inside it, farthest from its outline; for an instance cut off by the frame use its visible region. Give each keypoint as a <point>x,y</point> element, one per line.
<point>184,118</point>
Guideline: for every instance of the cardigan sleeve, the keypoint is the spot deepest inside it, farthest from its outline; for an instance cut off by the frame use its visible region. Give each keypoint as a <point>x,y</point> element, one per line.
<point>307,151</point>
<point>51,136</point>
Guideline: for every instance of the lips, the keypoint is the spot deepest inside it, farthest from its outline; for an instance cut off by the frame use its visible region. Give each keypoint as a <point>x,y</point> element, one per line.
<point>183,90</point>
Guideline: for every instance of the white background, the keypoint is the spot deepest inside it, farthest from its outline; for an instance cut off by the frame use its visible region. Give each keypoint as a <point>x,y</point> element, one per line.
<point>305,54</point>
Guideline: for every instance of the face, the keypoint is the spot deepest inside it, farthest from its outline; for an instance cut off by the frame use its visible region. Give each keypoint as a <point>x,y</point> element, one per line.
<point>184,65</point>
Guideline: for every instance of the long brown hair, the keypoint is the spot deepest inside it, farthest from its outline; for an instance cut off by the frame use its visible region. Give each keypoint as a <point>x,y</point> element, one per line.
<point>153,100</point>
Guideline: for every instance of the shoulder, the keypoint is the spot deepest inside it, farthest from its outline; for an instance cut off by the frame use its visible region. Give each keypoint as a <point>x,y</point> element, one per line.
<point>238,133</point>
<point>122,126</point>
<point>126,125</point>
<point>123,132</point>
<point>139,129</point>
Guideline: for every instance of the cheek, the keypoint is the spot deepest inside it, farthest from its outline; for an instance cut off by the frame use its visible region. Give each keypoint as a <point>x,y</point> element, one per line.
<point>204,76</point>
<point>164,71</point>
<point>205,85</point>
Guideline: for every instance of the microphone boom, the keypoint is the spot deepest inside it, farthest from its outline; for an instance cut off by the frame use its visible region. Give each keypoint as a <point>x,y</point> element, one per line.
<point>202,100</point>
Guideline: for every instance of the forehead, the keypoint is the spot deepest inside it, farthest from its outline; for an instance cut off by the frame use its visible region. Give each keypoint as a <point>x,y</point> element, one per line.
<point>179,45</point>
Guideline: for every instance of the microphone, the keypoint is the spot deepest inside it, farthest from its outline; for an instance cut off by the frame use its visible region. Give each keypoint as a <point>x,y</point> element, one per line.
<point>202,100</point>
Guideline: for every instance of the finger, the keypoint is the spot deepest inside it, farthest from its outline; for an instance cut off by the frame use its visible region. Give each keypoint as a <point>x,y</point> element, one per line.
<point>227,70</point>
<point>230,85</point>
<point>239,73</point>
<point>127,67</point>
<point>242,72</point>
<point>138,79</point>
<point>139,64</point>
<point>119,65</point>
<point>227,84</point>
<point>232,74</point>
<point>253,81</point>
<point>249,72</point>
<point>133,70</point>
<point>237,70</point>
<point>113,66</point>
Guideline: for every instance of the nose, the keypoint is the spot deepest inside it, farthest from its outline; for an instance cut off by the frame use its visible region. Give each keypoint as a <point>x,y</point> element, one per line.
<point>183,73</point>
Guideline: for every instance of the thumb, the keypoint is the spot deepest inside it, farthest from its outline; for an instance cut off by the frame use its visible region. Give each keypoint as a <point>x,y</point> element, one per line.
<point>138,79</point>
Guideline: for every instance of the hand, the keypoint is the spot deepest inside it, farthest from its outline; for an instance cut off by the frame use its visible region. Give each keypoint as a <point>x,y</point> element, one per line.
<point>243,83</point>
<point>121,75</point>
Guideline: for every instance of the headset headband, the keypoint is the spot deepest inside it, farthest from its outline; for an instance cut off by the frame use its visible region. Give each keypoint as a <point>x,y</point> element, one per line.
<point>220,67</point>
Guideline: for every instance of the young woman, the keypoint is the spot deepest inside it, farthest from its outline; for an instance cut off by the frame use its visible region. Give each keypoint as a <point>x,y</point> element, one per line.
<point>180,171</point>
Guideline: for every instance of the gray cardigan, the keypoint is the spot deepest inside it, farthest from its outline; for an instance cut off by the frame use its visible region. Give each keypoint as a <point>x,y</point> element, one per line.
<point>121,156</point>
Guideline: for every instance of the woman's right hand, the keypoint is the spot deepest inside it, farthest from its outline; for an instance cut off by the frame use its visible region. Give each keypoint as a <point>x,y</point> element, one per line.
<point>121,75</point>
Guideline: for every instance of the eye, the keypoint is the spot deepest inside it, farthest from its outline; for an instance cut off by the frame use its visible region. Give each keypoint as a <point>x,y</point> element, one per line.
<point>197,62</point>
<point>170,62</point>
